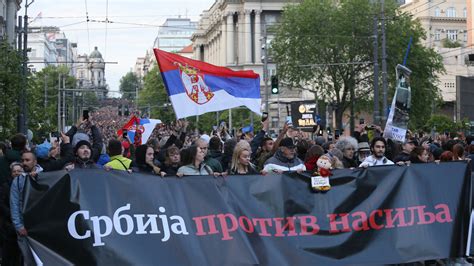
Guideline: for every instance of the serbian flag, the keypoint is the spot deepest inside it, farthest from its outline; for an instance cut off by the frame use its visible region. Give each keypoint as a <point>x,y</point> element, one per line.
<point>195,87</point>
<point>144,125</point>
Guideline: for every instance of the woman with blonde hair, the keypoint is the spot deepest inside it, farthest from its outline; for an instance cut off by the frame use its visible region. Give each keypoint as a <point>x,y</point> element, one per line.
<point>240,164</point>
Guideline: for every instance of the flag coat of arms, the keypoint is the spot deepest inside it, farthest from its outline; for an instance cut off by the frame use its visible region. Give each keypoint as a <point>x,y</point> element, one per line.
<point>144,125</point>
<point>195,87</point>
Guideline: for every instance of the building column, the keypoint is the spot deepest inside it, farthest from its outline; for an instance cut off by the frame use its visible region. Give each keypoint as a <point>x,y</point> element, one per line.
<point>211,51</point>
<point>258,41</point>
<point>248,37</point>
<point>230,39</point>
<point>241,38</point>
<point>11,21</point>
<point>223,43</point>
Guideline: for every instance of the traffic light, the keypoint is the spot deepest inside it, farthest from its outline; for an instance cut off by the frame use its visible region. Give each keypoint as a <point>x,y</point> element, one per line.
<point>120,110</point>
<point>127,111</point>
<point>275,89</point>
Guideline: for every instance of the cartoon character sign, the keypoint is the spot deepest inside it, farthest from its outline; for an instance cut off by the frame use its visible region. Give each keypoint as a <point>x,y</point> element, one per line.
<point>193,81</point>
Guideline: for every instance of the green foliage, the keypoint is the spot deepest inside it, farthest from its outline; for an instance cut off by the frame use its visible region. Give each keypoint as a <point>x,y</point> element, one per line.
<point>442,123</point>
<point>43,98</point>
<point>129,84</point>
<point>447,43</point>
<point>155,97</point>
<point>318,37</point>
<point>10,84</point>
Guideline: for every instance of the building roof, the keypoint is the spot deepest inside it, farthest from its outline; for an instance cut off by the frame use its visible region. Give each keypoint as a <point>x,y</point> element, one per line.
<point>187,49</point>
<point>95,53</point>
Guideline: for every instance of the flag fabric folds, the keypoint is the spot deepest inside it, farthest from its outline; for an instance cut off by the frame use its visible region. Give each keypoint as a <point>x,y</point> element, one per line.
<point>144,125</point>
<point>195,87</point>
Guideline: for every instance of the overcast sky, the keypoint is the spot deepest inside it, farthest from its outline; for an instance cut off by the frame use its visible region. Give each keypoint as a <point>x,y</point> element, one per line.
<point>122,42</point>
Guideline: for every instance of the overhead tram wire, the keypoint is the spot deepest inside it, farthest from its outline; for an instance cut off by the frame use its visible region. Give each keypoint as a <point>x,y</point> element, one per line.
<point>106,24</point>
<point>87,23</point>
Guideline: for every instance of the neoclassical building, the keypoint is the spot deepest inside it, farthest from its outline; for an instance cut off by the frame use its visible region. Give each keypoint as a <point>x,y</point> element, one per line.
<point>230,34</point>
<point>91,72</point>
<point>447,22</point>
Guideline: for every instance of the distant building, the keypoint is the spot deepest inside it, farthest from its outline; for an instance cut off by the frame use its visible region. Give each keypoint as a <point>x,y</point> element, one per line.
<point>470,22</point>
<point>447,30</point>
<point>230,34</point>
<point>91,72</point>
<point>50,46</point>
<point>175,34</point>
<point>186,51</point>
<point>8,19</point>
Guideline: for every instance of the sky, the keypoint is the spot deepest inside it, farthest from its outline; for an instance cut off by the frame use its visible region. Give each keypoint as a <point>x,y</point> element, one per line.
<point>123,41</point>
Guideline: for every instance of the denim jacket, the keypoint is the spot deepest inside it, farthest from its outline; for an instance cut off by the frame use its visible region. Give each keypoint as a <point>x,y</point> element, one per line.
<point>16,198</point>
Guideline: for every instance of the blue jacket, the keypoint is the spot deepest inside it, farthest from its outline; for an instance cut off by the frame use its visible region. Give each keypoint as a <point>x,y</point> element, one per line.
<point>16,198</point>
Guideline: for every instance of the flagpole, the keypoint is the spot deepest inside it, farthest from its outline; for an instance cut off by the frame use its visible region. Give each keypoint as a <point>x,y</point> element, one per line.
<point>230,119</point>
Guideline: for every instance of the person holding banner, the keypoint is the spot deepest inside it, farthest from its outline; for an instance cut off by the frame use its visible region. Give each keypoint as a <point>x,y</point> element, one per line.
<point>241,164</point>
<point>117,160</point>
<point>377,147</point>
<point>195,165</point>
<point>31,169</point>
<point>172,162</point>
<point>144,156</point>
<point>285,159</point>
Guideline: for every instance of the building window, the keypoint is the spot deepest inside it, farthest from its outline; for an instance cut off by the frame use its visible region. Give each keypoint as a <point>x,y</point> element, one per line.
<point>437,12</point>
<point>464,13</point>
<point>451,12</point>
<point>452,35</point>
<point>437,35</point>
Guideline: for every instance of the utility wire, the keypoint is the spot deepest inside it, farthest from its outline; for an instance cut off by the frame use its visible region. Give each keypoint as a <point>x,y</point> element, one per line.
<point>106,24</point>
<point>87,22</point>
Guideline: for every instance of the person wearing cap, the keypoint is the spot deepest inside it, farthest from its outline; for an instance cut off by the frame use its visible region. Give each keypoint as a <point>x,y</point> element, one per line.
<point>77,134</point>
<point>285,159</point>
<point>83,156</point>
<point>363,151</point>
<point>377,147</point>
<point>404,155</point>
<point>44,154</point>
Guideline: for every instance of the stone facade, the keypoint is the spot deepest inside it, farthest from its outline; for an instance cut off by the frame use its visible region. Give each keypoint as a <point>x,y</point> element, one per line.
<point>445,23</point>
<point>91,72</point>
<point>230,34</point>
<point>8,19</point>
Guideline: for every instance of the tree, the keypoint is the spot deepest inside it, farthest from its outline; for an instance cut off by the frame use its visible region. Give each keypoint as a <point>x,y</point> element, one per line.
<point>43,98</point>
<point>444,124</point>
<point>129,84</point>
<point>154,97</point>
<point>10,82</point>
<point>326,46</point>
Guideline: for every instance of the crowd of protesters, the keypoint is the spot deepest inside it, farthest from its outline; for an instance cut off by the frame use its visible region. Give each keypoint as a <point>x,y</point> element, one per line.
<point>176,151</point>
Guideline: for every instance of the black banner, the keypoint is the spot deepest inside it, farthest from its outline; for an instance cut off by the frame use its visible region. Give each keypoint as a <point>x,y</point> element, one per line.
<point>387,214</point>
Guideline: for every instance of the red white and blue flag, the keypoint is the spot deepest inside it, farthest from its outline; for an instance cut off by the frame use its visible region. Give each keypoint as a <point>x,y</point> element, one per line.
<point>145,127</point>
<point>195,87</point>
